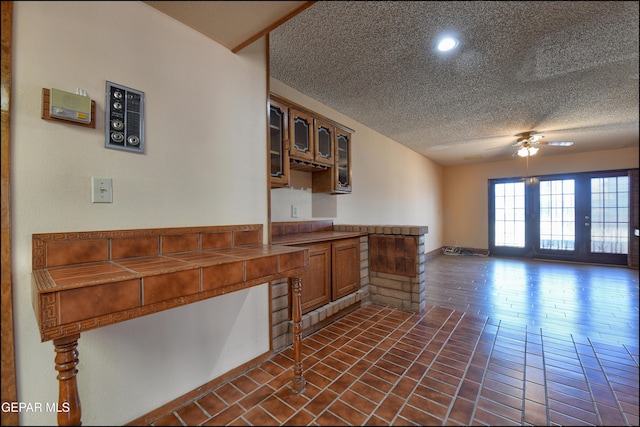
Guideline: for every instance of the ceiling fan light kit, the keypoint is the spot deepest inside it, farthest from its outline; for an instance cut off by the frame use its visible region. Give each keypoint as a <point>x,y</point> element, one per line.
<point>527,150</point>
<point>528,141</point>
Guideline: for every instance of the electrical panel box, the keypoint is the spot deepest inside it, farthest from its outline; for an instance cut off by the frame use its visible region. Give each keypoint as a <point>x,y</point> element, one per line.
<point>69,106</point>
<point>124,122</point>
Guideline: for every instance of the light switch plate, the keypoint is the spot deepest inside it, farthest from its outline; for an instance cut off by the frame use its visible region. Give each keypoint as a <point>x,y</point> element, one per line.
<point>101,190</point>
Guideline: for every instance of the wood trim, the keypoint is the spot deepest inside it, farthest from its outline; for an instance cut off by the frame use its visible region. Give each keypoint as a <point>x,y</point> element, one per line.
<point>634,243</point>
<point>9,388</point>
<point>266,143</point>
<point>271,27</point>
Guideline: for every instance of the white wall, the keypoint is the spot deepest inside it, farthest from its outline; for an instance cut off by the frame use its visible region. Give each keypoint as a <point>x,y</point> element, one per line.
<point>391,183</point>
<point>466,188</point>
<point>205,133</point>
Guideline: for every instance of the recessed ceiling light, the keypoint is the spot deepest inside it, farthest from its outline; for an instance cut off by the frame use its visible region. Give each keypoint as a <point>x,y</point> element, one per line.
<point>447,43</point>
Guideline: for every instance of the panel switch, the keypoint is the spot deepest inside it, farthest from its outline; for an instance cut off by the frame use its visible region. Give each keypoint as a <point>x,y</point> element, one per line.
<point>101,190</point>
<point>294,211</point>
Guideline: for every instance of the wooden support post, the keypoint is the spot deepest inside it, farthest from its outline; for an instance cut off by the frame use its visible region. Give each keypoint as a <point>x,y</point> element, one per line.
<point>69,410</point>
<point>295,287</point>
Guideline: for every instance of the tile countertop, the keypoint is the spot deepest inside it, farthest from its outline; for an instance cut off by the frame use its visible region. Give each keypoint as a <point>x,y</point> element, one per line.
<point>95,273</point>
<point>73,298</point>
<point>315,237</point>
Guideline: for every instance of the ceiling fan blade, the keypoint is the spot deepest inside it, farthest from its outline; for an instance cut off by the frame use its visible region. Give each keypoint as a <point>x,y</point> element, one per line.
<point>556,143</point>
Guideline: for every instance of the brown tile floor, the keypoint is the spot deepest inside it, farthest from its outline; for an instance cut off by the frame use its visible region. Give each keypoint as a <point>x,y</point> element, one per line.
<point>383,366</point>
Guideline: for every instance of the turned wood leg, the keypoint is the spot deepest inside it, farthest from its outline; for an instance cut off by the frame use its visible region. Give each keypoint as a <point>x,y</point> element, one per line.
<point>298,383</point>
<point>68,398</point>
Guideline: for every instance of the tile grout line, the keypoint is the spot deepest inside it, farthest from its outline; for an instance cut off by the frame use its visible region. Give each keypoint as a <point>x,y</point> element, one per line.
<point>633,356</point>
<point>485,368</point>
<point>195,402</point>
<point>396,341</point>
<point>613,392</point>
<point>466,370</point>
<point>405,401</point>
<point>326,409</point>
<point>544,375</point>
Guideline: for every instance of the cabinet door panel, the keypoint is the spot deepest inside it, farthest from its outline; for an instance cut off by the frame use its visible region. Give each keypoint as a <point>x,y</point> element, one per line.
<point>336,180</point>
<point>278,144</point>
<point>324,140</point>
<point>343,161</point>
<point>346,267</point>
<point>316,281</point>
<point>301,135</point>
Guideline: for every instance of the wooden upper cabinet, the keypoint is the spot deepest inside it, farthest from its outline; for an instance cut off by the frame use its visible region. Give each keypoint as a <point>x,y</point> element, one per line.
<point>278,144</point>
<point>343,161</point>
<point>305,141</point>
<point>301,127</point>
<point>336,180</point>
<point>324,139</point>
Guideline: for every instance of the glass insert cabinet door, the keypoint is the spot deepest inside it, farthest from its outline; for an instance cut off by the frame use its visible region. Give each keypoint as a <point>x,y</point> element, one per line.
<point>278,144</point>
<point>324,139</point>
<point>301,125</point>
<point>343,159</point>
<point>583,218</point>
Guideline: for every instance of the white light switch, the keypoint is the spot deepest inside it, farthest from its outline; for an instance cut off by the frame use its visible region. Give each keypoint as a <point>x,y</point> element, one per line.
<point>101,190</point>
<point>294,211</point>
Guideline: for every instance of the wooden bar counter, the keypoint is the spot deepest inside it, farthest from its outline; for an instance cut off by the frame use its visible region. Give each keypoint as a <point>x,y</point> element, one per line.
<point>87,280</point>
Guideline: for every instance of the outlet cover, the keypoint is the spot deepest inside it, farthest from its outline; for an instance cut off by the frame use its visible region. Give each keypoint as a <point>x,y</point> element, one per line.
<point>101,190</point>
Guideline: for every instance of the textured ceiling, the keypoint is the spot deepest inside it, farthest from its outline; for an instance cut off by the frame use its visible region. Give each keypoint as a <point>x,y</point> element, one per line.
<point>568,70</point>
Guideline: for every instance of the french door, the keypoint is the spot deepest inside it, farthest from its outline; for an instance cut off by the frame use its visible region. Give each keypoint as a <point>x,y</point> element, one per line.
<point>575,217</point>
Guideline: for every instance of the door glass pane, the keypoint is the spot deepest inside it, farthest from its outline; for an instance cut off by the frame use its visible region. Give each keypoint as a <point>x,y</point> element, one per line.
<point>610,215</point>
<point>276,120</point>
<point>557,214</point>
<point>509,214</point>
<point>301,131</point>
<point>324,142</point>
<point>343,160</point>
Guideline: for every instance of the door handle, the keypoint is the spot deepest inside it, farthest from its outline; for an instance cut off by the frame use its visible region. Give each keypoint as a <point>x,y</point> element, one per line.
<point>586,224</point>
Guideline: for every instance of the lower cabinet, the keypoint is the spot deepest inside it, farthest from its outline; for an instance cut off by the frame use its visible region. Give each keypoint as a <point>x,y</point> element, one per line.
<point>334,271</point>
<point>316,282</point>
<point>345,269</point>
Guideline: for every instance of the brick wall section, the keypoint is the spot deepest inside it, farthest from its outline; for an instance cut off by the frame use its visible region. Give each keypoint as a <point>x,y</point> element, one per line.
<point>398,290</point>
<point>407,293</point>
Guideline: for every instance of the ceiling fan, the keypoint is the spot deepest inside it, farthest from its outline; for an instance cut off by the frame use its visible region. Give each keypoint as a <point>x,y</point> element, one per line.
<point>528,143</point>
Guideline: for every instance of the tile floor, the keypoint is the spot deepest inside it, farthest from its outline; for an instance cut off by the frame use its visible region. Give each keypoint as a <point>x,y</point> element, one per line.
<point>444,366</point>
<point>382,366</point>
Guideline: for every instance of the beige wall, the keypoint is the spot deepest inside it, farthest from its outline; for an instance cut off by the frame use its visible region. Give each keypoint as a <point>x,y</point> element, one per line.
<point>205,164</point>
<point>391,183</point>
<point>205,130</point>
<point>466,188</point>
